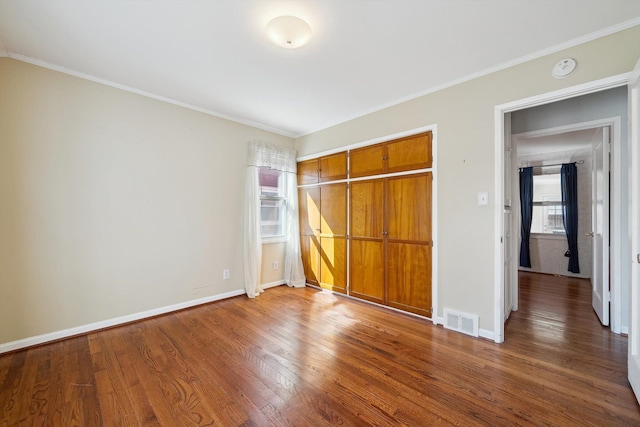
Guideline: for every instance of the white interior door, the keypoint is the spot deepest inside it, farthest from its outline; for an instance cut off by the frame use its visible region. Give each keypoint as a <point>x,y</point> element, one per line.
<point>633,362</point>
<point>600,228</point>
<point>508,285</point>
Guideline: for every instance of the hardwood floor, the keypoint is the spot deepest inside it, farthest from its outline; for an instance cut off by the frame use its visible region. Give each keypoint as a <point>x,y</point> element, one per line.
<point>302,357</point>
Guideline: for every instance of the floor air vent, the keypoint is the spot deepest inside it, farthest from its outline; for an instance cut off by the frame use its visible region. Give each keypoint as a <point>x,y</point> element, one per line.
<point>461,322</point>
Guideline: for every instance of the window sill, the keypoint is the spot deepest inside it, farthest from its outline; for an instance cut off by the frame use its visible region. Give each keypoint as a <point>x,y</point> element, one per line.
<point>270,240</point>
<point>548,236</point>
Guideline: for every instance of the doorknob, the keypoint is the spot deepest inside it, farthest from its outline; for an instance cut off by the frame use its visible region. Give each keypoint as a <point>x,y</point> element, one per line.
<point>590,234</point>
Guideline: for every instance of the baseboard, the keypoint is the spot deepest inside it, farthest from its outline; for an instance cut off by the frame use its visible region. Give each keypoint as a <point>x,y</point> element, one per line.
<point>484,333</point>
<point>78,330</point>
<point>273,284</point>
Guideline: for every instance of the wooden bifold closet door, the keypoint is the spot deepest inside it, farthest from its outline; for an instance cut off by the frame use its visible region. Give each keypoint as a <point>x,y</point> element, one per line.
<point>409,243</point>
<point>323,235</point>
<point>309,214</point>
<point>367,240</point>
<point>391,241</point>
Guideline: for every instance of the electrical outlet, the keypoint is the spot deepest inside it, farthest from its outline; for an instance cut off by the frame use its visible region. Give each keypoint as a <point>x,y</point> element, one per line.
<point>226,274</point>
<point>275,265</point>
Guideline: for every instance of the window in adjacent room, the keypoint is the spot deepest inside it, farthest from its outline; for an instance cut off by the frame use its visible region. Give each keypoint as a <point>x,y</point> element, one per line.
<point>547,205</point>
<point>273,203</point>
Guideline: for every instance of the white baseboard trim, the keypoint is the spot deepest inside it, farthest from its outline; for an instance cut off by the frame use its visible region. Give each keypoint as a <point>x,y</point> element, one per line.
<point>484,333</point>
<point>273,284</point>
<point>78,330</point>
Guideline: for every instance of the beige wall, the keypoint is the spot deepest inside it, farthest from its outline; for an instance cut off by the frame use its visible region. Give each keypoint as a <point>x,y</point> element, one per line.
<point>272,252</point>
<point>464,115</point>
<point>111,203</point>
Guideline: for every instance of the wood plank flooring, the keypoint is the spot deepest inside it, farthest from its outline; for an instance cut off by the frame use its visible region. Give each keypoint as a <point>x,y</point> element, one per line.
<point>301,357</point>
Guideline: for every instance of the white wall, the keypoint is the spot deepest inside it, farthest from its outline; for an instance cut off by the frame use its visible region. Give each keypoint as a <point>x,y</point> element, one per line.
<point>465,117</point>
<point>112,203</point>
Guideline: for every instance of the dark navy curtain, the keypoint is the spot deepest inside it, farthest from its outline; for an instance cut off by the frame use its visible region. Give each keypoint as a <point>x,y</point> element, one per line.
<point>526,208</point>
<point>569,183</point>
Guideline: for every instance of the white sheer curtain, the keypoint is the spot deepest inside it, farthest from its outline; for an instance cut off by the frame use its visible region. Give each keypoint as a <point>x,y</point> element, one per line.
<point>293,272</point>
<point>252,239</point>
<point>263,154</point>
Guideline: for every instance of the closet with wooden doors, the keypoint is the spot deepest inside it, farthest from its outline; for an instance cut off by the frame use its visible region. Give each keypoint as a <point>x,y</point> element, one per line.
<point>323,221</point>
<point>390,239</point>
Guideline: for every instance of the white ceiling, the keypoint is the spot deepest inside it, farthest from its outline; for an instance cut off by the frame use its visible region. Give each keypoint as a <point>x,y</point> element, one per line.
<point>363,56</point>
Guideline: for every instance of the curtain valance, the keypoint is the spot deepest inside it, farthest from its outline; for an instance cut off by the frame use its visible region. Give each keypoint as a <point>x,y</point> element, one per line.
<point>273,156</point>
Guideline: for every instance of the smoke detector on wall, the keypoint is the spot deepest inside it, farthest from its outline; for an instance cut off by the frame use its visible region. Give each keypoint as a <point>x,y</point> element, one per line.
<point>564,68</point>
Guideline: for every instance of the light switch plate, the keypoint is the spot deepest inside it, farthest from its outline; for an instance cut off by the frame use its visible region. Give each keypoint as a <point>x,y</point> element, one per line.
<point>483,199</point>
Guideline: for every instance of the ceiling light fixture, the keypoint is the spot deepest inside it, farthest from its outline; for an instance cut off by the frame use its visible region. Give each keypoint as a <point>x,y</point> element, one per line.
<point>288,32</point>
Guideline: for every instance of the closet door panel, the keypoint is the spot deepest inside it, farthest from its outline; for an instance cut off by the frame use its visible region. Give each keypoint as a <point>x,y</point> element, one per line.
<point>309,215</point>
<point>333,262</point>
<point>367,244</point>
<point>333,167</point>
<point>310,250</point>
<point>367,161</point>
<point>308,172</point>
<point>409,277</point>
<point>367,270</point>
<point>309,210</point>
<point>333,209</point>
<point>367,209</point>
<point>409,207</point>
<point>409,153</point>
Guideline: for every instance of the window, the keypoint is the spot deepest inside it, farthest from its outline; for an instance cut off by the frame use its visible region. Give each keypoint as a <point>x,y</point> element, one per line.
<point>273,202</point>
<point>547,205</point>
